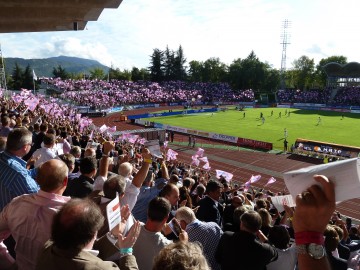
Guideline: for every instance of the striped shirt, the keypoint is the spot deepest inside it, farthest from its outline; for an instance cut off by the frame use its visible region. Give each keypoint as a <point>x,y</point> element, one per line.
<point>15,179</point>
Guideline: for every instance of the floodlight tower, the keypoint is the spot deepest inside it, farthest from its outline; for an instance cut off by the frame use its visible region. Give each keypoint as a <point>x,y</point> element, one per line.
<point>2,73</point>
<point>285,40</point>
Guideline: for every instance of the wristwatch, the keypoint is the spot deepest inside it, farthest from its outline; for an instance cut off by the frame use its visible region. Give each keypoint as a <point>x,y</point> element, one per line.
<point>315,251</point>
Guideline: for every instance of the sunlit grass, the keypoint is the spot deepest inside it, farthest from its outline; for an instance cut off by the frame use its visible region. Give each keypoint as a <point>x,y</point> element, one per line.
<point>300,124</point>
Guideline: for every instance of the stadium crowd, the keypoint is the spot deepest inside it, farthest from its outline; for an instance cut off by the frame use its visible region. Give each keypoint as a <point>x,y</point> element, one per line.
<point>345,96</point>
<point>102,94</point>
<point>60,178</point>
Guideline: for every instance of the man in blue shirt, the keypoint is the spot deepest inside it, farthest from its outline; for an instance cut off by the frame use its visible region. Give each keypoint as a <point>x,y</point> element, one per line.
<point>15,179</point>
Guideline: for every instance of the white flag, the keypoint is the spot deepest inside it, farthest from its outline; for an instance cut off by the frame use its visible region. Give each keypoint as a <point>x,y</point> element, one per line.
<point>34,76</point>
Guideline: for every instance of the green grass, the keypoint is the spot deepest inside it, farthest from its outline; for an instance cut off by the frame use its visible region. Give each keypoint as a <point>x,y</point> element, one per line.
<point>300,124</point>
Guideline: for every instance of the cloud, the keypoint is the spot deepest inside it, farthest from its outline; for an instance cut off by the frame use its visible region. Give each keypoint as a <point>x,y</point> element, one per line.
<point>231,29</point>
<point>71,46</point>
<point>315,49</point>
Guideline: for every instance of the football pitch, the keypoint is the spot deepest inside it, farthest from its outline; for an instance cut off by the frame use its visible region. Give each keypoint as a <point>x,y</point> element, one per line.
<point>331,127</point>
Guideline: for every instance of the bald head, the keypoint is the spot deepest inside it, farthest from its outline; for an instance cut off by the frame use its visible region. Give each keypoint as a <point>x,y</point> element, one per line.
<point>125,169</point>
<point>52,176</point>
<point>89,152</point>
<point>237,201</point>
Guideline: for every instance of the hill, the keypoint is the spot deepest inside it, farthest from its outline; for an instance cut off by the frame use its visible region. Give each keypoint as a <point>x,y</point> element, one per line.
<point>44,67</point>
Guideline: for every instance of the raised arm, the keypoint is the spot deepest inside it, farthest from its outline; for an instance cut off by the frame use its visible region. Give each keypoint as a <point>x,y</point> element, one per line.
<point>314,208</point>
<point>139,178</point>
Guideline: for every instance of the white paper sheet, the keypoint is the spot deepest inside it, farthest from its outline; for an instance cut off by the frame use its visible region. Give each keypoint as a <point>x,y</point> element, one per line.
<point>345,174</point>
<point>113,213</point>
<point>154,148</point>
<point>279,201</point>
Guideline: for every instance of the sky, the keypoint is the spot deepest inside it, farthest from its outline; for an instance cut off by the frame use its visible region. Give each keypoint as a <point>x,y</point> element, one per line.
<point>227,29</point>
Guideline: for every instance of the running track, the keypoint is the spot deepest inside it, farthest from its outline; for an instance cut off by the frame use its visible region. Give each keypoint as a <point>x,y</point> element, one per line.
<point>241,163</point>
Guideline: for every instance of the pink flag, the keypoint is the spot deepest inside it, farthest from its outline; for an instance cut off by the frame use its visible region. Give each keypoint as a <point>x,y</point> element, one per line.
<point>171,154</point>
<point>205,159</point>
<point>17,98</point>
<point>200,152</point>
<point>207,166</point>
<point>271,180</point>
<point>247,186</point>
<point>195,160</point>
<point>103,128</point>
<point>78,116</point>
<point>254,178</point>
<point>143,141</point>
<point>125,136</point>
<point>91,135</point>
<point>228,176</point>
<point>112,129</point>
<point>133,138</point>
<point>31,103</point>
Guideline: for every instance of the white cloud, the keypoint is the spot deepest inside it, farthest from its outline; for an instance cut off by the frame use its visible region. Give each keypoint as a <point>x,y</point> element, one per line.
<point>227,29</point>
<point>71,46</point>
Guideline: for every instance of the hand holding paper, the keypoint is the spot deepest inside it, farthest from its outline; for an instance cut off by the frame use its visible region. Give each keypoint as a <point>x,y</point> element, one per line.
<point>130,239</point>
<point>344,174</point>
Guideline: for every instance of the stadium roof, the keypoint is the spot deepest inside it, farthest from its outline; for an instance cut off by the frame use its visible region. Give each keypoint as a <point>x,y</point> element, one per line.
<point>50,15</point>
<point>349,70</point>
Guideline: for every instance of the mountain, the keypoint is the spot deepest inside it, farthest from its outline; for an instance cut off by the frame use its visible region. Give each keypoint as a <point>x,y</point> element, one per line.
<point>44,67</point>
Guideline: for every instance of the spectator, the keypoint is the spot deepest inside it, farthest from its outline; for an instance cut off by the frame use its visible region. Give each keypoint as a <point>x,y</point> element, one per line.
<point>236,201</point>
<point>151,240</point>
<point>242,248</point>
<point>69,160</point>
<point>5,126</point>
<point>38,140</point>
<point>149,190</point>
<point>76,152</point>
<point>206,233</point>
<point>15,179</point>
<point>209,207</point>
<point>46,152</point>
<point>331,243</point>
<point>73,233</point>
<point>198,194</point>
<point>181,256</point>
<point>287,258</point>
<point>34,213</point>
<point>83,185</point>
<point>266,221</point>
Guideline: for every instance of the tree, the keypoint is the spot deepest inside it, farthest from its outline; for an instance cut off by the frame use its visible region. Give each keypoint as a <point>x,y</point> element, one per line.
<point>139,74</point>
<point>214,70</point>
<point>97,73</point>
<point>28,82</point>
<point>320,73</point>
<point>272,80</point>
<point>179,65</point>
<point>236,79</point>
<point>157,66</point>
<point>304,71</point>
<point>251,73</point>
<point>169,64</point>
<point>196,71</point>
<point>124,75</point>
<point>17,77</point>
<point>60,72</point>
